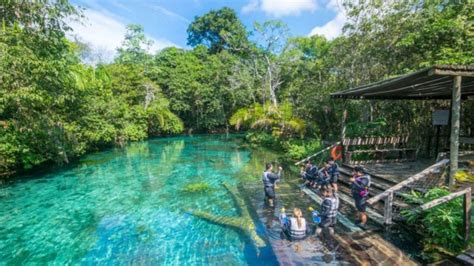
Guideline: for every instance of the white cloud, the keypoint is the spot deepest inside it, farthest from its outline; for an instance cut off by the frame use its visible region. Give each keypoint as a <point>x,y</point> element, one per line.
<point>251,6</point>
<point>104,34</point>
<point>332,28</point>
<point>280,8</point>
<point>169,13</point>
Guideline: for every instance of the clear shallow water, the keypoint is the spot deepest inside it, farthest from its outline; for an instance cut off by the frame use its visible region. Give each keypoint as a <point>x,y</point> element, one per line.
<point>130,206</point>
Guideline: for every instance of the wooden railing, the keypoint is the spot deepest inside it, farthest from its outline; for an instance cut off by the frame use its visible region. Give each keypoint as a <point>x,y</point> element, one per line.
<point>319,152</point>
<point>467,204</point>
<point>381,147</point>
<point>387,195</point>
<point>360,141</point>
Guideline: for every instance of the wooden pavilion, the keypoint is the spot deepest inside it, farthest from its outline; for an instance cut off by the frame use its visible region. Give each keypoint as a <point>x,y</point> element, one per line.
<point>443,82</point>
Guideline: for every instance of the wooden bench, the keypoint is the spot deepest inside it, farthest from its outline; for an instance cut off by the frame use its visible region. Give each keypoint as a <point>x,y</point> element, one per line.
<point>381,147</point>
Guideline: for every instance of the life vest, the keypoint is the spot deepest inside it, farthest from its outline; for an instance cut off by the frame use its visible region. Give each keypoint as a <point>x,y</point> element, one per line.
<point>295,231</point>
<point>363,192</point>
<point>334,206</point>
<point>312,171</point>
<point>369,179</point>
<point>324,176</point>
<point>266,181</point>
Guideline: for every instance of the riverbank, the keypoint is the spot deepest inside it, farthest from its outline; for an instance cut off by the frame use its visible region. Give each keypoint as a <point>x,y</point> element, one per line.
<point>73,161</point>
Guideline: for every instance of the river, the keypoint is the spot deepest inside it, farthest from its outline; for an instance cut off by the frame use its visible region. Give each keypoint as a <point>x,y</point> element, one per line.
<point>147,203</point>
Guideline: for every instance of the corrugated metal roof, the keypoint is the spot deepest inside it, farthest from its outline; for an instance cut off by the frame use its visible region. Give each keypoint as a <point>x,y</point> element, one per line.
<point>435,82</point>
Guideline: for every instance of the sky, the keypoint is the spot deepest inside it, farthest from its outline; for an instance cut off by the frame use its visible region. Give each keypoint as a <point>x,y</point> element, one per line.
<point>165,21</point>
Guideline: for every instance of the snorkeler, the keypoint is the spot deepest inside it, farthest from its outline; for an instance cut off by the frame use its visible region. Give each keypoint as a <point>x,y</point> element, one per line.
<point>328,212</point>
<point>269,179</point>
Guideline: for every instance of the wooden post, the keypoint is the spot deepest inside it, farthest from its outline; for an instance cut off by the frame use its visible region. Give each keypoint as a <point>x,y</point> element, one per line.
<point>467,217</point>
<point>438,127</point>
<point>387,210</point>
<point>343,131</point>
<point>454,145</point>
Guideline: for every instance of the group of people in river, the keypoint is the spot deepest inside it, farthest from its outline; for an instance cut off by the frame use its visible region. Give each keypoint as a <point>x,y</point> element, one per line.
<point>324,180</point>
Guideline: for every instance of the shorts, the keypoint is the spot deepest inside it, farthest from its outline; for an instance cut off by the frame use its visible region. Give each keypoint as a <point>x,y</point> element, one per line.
<point>270,192</point>
<point>328,222</point>
<point>360,203</point>
<point>334,179</point>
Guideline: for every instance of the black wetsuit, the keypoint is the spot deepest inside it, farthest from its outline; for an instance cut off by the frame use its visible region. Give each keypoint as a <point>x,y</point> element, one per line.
<point>360,192</point>
<point>310,173</point>
<point>329,209</point>
<point>324,178</point>
<point>333,172</point>
<point>269,179</point>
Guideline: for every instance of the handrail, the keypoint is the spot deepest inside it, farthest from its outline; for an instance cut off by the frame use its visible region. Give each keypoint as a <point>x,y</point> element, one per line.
<point>467,210</point>
<point>319,152</point>
<point>409,180</point>
<point>442,200</point>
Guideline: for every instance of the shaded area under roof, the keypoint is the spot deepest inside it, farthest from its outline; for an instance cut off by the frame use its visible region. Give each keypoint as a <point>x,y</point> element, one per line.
<point>435,82</point>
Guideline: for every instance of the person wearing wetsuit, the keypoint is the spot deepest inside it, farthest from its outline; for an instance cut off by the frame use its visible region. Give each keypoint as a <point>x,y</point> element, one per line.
<point>328,212</point>
<point>360,183</point>
<point>324,179</point>
<point>269,179</point>
<point>294,227</point>
<point>333,171</point>
<point>309,173</point>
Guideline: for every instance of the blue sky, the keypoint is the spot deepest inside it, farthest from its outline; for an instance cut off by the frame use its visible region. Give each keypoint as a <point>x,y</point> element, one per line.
<point>166,21</point>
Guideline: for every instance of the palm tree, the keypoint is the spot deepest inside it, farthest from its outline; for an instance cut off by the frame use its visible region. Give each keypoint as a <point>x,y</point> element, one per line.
<point>279,120</point>
<point>161,120</point>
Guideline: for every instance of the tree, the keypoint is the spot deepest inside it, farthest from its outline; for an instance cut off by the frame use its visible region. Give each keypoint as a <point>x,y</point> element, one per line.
<point>47,17</point>
<point>218,30</point>
<point>272,38</point>
<point>135,46</point>
<point>280,121</point>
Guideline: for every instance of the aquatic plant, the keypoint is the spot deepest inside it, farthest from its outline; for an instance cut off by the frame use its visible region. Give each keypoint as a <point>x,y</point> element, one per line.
<point>198,187</point>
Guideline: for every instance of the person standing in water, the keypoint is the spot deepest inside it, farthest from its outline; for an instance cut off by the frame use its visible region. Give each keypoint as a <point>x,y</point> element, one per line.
<point>333,171</point>
<point>328,212</point>
<point>360,183</point>
<point>269,179</point>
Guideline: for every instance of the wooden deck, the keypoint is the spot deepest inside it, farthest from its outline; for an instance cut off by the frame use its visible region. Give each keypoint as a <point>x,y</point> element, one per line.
<point>350,245</point>
<point>396,171</point>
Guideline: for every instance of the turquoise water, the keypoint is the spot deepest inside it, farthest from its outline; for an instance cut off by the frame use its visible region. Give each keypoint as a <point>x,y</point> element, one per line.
<point>131,206</point>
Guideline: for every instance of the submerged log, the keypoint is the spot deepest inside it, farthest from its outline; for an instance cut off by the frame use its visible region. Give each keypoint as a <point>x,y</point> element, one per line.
<point>244,222</point>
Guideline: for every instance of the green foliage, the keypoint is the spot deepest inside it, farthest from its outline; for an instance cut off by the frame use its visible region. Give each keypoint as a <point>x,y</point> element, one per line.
<point>259,139</point>
<point>218,30</point>
<point>440,226</point>
<point>53,108</point>
<point>201,87</point>
<point>134,47</point>
<point>376,128</point>
<point>277,120</point>
<point>297,149</point>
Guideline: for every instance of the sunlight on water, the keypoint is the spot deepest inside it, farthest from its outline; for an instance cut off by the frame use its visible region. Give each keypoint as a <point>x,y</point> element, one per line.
<point>130,206</point>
